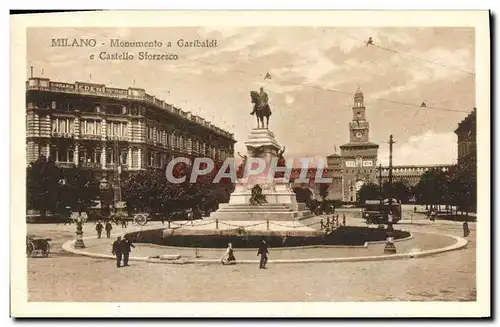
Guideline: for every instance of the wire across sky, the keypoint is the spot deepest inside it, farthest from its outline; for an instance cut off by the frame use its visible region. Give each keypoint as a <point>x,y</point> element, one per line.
<point>263,75</point>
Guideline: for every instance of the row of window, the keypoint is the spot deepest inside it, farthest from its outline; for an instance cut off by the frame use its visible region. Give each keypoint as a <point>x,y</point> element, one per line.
<point>464,148</point>
<point>88,155</point>
<point>93,156</point>
<point>68,106</point>
<point>157,135</point>
<point>360,171</point>
<point>89,127</point>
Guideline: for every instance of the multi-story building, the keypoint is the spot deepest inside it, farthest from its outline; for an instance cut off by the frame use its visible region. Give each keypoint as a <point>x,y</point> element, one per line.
<point>104,129</point>
<point>409,174</point>
<point>466,140</point>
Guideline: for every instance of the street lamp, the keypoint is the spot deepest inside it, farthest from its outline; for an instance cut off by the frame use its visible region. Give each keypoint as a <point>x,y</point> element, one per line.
<point>79,232</point>
<point>389,245</point>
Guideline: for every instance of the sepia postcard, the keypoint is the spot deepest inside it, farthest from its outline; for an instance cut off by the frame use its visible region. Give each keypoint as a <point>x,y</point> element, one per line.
<point>250,164</point>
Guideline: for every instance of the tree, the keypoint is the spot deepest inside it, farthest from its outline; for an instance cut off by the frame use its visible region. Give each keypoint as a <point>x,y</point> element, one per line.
<point>323,190</point>
<point>432,188</point>
<point>81,190</point>
<point>150,191</point>
<point>303,194</point>
<point>51,188</point>
<point>401,191</point>
<point>368,191</point>
<point>462,187</point>
<point>42,185</point>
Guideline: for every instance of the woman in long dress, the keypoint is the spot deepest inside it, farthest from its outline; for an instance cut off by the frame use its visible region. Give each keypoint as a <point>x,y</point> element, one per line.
<point>228,257</point>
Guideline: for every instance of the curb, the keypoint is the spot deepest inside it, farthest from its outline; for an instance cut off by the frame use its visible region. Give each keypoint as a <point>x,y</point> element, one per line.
<point>460,244</point>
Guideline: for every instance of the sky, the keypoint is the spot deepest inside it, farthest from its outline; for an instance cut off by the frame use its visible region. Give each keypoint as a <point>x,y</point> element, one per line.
<point>315,72</point>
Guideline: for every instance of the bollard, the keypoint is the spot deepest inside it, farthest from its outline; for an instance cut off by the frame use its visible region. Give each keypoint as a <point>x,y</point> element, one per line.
<point>168,223</point>
<point>267,223</point>
<point>216,223</point>
<point>343,220</point>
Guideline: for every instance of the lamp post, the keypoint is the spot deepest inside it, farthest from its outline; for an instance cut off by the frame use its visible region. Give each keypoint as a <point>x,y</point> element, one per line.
<point>104,187</point>
<point>79,244</point>
<point>389,245</point>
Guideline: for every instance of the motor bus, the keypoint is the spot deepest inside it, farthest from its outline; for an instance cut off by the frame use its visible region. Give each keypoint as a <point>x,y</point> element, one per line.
<point>376,211</point>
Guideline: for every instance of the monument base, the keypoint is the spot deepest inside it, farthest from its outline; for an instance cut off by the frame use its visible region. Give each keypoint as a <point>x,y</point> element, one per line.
<point>267,211</point>
<point>280,202</point>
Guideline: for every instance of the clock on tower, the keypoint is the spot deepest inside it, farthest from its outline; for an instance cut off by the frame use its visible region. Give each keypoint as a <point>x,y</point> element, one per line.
<point>359,126</point>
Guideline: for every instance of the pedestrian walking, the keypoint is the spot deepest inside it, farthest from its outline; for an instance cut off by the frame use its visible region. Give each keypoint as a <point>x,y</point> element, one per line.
<point>117,251</point>
<point>99,229</point>
<point>125,246</point>
<point>228,257</point>
<point>124,222</point>
<point>108,228</point>
<point>465,226</point>
<point>263,252</point>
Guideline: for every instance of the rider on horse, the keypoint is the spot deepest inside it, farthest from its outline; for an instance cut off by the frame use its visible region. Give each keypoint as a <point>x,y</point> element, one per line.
<point>261,107</point>
<point>264,100</point>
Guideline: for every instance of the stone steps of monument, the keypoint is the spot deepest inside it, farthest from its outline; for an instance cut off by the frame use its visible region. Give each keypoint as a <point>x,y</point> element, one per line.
<point>247,206</point>
<point>265,207</point>
<point>252,209</point>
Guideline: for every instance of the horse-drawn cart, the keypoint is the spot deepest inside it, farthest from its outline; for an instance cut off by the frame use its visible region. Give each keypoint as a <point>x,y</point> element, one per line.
<point>37,247</point>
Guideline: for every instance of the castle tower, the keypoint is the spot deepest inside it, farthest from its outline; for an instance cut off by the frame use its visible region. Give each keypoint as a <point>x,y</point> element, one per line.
<point>359,156</point>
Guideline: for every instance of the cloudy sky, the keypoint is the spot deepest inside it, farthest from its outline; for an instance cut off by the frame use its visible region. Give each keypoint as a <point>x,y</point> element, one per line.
<point>315,72</point>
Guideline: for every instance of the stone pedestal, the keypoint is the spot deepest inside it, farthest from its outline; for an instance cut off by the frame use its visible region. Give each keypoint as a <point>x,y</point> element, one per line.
<point>281,203</point>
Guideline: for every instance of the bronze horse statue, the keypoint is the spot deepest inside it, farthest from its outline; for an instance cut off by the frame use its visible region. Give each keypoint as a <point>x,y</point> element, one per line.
<point>260,110</point>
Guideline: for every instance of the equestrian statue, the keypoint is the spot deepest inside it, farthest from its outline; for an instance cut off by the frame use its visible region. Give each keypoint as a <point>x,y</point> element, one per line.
<point>261,107</point>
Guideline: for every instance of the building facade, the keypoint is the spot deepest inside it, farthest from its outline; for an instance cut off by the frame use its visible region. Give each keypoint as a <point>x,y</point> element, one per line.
<point>409,174</point>
<point>105,129</point>
<point>358,158</point>
<point>466,140</point>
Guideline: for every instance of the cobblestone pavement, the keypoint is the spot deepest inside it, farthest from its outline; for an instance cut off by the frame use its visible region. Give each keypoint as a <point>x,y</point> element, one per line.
<point>66,277</point>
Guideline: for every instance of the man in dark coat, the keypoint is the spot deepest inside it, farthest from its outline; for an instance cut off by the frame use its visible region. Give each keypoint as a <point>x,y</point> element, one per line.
<point>465,227</point>
<point>125,246</point>
<point>99,229</point>
<point>108,229</point>
<point>117,251</point>
<point>263,252</point>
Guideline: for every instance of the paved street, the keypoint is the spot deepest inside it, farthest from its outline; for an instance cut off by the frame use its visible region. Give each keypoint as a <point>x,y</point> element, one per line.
<point>66,277</point>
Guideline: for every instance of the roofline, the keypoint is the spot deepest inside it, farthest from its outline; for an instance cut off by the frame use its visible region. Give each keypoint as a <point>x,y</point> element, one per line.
<point>420,166</point>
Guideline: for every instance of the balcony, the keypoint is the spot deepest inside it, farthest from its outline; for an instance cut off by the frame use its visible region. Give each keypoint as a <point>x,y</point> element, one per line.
<point>62,135</point>
<point>91,165</point>
<point>115,166</point>
<point>65,164</point>
<point>91,137</point>
<point>117,138</point>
